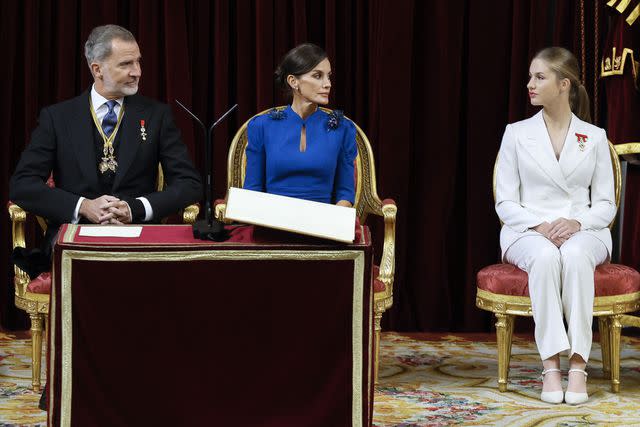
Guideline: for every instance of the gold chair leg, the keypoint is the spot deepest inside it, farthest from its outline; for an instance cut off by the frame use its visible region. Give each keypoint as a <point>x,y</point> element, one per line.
<point>36,349</point>
<point>510,324</point>
<point>504,334</point>
<point>378,318</point>
<point>615,328</point>
<point>603,327</point>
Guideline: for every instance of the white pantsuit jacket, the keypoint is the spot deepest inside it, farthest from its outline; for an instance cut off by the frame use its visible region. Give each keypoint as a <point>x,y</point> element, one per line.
<point>532,186</point>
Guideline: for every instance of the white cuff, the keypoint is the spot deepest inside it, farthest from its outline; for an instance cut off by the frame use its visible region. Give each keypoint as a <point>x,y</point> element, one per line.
<point>76,212</point>
<point>148,210</point>
<point>129,209</point>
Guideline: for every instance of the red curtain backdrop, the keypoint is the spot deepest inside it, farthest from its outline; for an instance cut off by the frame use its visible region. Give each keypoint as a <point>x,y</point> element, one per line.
<point>433,85</point>
<point>622,87</point>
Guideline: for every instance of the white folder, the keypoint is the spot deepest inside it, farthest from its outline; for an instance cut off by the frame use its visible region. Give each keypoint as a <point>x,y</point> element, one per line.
<point>290,214</point>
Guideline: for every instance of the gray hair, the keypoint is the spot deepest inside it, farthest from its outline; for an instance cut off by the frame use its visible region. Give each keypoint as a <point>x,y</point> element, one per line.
<point>98,45</point>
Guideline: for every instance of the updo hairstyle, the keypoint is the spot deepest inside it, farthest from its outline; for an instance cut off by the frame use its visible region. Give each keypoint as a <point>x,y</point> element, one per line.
<point>298,61</point>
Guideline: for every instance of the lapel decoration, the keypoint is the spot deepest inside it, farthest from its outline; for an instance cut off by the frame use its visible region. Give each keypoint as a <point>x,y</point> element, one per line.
<point>143,131</point>
<point>582,140</point>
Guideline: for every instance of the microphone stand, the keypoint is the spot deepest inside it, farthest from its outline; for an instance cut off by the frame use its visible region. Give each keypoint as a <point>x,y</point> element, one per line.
<point>208,228</point>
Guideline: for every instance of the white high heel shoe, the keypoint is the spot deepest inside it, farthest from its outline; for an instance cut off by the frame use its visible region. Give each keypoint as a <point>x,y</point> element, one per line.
<point>573,398</point>
<point>551,396</point>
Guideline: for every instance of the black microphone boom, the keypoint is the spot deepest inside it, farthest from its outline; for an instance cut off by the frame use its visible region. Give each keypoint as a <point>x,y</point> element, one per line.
<point>209,228</point>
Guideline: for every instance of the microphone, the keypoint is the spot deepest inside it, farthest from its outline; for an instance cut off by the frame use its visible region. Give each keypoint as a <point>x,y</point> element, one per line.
<point>208,228</point>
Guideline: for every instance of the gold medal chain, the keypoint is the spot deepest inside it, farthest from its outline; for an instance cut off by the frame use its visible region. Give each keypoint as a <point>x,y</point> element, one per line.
<point>109,159</point>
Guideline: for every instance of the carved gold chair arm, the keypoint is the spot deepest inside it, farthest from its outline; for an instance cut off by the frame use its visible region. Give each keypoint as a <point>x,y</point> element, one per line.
<point>220,209</point>
<point>387,262</point>
<point>219,213</point>
<point>629,148</point>
<point>190,214</point>
<point>629,152</point>
<point>18,217</point>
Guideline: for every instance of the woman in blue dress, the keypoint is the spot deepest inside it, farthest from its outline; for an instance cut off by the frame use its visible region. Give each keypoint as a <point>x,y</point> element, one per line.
<point>301,151</point>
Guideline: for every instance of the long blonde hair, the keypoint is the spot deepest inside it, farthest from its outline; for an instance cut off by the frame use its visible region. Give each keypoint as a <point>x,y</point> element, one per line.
<point>565,65</point>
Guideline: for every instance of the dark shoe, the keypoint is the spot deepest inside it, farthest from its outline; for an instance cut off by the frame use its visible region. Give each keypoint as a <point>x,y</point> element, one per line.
<point>31,261</point>
<point>43,400</point>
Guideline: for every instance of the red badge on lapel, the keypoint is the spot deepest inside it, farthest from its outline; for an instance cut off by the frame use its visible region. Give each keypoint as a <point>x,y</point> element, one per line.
<point>143,131</point>
<point>582,140</point>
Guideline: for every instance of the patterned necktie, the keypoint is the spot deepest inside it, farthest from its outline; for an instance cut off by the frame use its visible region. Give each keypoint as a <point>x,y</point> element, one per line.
<point>110,119</point>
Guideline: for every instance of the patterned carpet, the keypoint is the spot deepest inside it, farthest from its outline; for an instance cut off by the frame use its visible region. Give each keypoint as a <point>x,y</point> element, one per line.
<point>18,404</point>
<point>453,380</point>
<point>425,380</point>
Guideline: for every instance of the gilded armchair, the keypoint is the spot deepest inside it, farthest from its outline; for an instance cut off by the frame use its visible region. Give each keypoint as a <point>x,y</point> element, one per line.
<point>366,202</point>
<point>632,148</point>
<point>32,294</point>
<point>503,290</point>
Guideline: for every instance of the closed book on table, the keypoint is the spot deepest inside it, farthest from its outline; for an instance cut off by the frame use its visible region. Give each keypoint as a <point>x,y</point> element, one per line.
<point>290,214</point>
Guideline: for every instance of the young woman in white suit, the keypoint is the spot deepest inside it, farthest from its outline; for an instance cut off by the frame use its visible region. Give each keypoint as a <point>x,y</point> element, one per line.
<point>555,197</point>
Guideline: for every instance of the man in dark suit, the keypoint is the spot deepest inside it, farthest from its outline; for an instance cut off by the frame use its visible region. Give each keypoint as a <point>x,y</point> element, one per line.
<point>103,148</point>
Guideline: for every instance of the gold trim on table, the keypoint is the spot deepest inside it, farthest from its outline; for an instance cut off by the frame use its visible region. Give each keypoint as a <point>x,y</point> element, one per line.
<point>70,233</point>
<point>52,349</point>
<point>67,340</point>
<point>68,256</point>
<point>130,242</point>
<point>356,330</point>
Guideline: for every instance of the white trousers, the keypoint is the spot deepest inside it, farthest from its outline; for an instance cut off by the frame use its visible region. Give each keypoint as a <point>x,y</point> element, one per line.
<point>560,283</point>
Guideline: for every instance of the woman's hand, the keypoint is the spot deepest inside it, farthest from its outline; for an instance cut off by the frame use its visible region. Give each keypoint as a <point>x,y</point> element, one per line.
<point>344,203</point>
<point>543,228</point>
<point>563,228</point>
<point>546,230</point>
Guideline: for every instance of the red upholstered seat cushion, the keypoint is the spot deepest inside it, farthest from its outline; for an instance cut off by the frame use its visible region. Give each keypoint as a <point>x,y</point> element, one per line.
<point>504,279</point>
<point>41,284</point>
<point>616,279</point>
<point>507,279</point>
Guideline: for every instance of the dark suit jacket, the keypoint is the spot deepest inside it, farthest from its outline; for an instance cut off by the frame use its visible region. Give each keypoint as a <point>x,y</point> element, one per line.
<point>63,144</point>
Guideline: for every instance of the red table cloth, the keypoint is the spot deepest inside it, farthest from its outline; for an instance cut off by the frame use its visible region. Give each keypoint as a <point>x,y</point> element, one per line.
<point>265,329</point>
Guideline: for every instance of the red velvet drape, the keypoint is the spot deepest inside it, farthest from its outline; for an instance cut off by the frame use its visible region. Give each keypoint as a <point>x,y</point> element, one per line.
<point>432,84</point>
